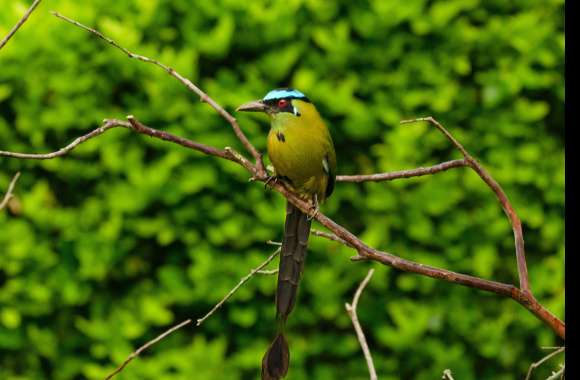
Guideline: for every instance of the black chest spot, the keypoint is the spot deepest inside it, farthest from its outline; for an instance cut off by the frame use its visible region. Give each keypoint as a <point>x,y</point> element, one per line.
<point>280,137</point>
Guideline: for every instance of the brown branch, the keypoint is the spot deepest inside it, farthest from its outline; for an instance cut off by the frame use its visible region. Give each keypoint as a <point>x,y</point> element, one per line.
<point>162,336</point>
<point>192,87</point>
<point>501,196</point>
<point>403,173</point>
<point>15,28</point>
<point>137,126</point>
<point>8,194</point>
<point>351,310</point>
<point>367,253</point>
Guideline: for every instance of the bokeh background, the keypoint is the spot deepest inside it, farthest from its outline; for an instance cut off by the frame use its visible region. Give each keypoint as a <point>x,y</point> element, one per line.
<point>107,247</point>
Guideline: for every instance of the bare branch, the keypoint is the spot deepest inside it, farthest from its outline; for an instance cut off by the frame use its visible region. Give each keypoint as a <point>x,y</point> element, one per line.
<point>235,288</point>
<point>146,346</point>
<point>502,197</point>
<point>15,28</point>
<point>367,253</point>
<point>192,87</point>
<point>107,124</point>
<point>389,176</point>
<point>245,279</point>
<point>137,126</point>
<point>351,310</point>
<point>535,365</point>
<point>8,194</point>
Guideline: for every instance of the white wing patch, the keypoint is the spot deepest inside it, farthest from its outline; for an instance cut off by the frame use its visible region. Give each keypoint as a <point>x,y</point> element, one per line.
<point>325,165</point>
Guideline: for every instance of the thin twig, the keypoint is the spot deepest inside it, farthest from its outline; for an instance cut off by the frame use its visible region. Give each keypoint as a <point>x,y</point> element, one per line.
<point>544,359</point>
<point>235,288</point>
<point>188,321</point>
<point>351,310</point>
<point>501,196</point>
<point>146,346</point>
<point>267,272</point>
<point>328,235</point>
<point>192,87</point>
<point>389,176</point>
<point>15,28</point>
<point>9,192</point>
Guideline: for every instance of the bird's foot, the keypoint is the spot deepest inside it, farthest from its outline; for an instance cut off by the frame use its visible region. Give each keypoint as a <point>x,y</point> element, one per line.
<point>272,178</point>
<point>315,208</point>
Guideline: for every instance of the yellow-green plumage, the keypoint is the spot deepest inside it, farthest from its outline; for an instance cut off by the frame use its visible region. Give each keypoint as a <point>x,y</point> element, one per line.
<point>298,147</point>
<point>302,153</point>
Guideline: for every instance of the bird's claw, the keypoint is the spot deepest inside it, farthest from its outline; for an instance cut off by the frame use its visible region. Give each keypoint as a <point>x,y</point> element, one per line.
<point>270,179</point>
<point>315,208</point>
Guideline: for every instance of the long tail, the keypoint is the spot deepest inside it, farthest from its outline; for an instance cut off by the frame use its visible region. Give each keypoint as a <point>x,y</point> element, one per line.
<point>296,231</point>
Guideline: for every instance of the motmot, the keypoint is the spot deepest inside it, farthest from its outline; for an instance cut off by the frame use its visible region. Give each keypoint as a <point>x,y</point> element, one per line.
<point>302,153</point>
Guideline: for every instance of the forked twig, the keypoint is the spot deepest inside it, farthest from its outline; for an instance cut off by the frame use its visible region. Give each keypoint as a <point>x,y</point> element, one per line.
<point>351,310</point>
<point>501,196</point>
<point>235,288</point>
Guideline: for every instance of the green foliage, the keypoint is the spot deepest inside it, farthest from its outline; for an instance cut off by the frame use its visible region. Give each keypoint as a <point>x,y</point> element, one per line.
<point>107,247</point>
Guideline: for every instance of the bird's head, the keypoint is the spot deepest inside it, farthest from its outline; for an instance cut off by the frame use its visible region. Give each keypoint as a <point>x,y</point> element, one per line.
<point>283,102</point>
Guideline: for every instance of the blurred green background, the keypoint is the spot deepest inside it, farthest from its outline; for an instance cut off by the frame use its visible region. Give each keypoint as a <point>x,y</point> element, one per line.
<point>107,247</point>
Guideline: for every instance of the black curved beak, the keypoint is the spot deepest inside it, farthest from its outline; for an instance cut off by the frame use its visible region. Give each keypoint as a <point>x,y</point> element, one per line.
<point>253,106</point>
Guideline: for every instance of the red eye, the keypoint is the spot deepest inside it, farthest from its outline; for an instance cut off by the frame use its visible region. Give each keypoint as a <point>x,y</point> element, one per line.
<point>282,103</point>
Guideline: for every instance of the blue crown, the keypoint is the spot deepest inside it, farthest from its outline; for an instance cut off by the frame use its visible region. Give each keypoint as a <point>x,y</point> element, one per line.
<point>284,93</point>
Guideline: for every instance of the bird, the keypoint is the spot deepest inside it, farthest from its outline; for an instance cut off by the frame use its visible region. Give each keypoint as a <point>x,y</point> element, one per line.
<point>302,153</point>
